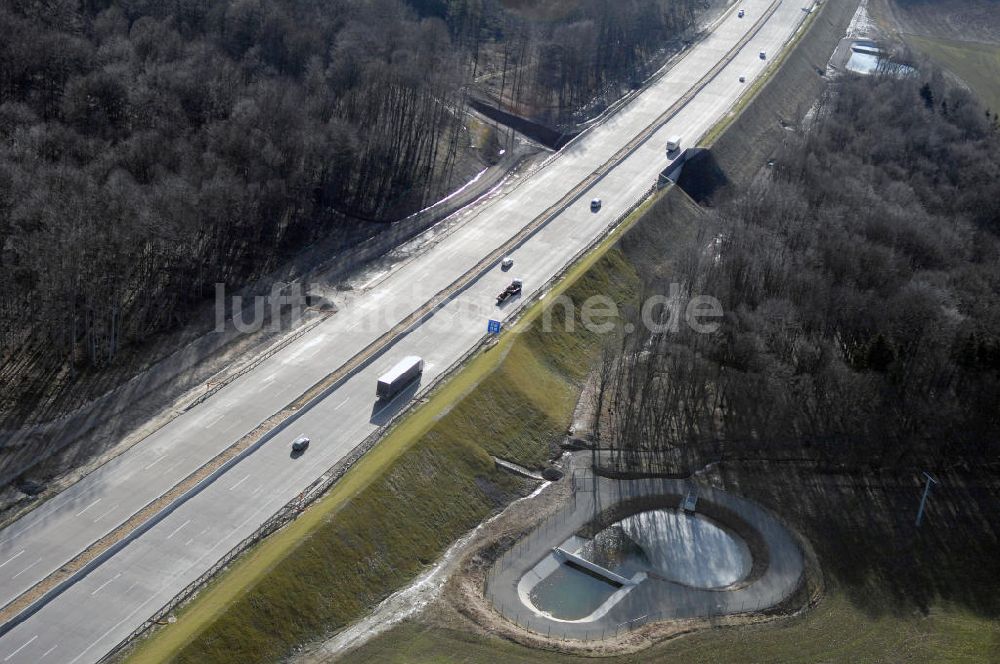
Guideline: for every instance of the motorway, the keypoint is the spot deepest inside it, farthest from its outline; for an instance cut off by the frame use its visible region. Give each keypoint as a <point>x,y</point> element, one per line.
<point>90,617</point>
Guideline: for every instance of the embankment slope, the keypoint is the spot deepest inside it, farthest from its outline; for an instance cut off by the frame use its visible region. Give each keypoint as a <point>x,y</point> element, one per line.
<point>761,126</point>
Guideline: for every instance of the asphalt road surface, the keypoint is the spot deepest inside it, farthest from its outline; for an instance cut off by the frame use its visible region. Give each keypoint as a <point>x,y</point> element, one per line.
<point>93,615</point>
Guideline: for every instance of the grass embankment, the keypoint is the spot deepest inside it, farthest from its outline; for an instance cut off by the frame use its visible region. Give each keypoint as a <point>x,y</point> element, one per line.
<point>430,480</point>
<point>975,63</point>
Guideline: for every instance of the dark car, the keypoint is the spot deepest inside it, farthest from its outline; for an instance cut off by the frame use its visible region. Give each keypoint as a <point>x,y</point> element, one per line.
<point>300,444</point>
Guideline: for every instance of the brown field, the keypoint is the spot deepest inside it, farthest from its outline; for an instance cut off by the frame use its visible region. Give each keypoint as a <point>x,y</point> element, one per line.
<point>962,20</point>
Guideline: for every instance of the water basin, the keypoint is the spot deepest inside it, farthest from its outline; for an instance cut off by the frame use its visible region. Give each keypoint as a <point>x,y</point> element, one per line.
<point>665,544</point>
<point>686,548</point>
<point>570,593</point>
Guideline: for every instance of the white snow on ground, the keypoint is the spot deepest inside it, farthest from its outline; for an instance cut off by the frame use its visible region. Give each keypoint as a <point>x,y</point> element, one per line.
<point>861,26</point>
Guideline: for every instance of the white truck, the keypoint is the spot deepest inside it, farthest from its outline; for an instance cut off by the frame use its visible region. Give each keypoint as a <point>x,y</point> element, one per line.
<point>673,144</point>
<point>402,374</point>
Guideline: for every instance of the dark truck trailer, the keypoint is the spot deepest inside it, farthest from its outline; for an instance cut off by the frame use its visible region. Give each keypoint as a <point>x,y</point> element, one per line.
<point>394,380</point>
<point>509,292</point>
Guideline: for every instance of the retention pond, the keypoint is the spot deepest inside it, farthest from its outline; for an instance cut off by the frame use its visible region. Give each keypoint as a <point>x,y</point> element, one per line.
<point>658,545</point>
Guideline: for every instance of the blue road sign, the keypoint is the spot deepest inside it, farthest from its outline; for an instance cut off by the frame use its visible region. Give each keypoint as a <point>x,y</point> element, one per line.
<point>493,327</point>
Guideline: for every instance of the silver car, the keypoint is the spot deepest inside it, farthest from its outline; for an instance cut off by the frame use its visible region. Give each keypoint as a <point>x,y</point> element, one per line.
<point>300,444</point>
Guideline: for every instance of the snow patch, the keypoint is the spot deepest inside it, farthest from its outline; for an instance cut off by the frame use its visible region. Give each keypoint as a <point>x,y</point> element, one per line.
<point>861,25</point>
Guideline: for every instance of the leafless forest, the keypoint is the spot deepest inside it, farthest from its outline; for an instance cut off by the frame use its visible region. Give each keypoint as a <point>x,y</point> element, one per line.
<point>151,149</point>
<point>558,61</point>
<point>859,280</point>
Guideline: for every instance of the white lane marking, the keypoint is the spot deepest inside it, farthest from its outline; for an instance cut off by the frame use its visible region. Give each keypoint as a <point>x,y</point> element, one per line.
<point>88,507</point>
<point>109,511</point>
<point>48,652</point>
<point>26,569</point>
<point>101,587</point>
<point>26,644</point>
<point>173,465</point>
<point>215,419</point>
<point>12,558</point>
<point>129,589</point>
<point>177,530</point>
<point>158,460</point>
<point>188,543</point>
<point>240,482</point>
<point>247,520</point>
<point>385,407</point>
<point>342,403</point>
<point>113,628</point>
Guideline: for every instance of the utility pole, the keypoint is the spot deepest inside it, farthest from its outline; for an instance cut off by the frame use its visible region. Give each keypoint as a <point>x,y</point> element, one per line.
<point>923,500</point>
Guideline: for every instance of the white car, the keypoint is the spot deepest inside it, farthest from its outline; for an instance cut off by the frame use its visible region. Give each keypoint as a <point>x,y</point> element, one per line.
<point>741,13</point>
<point>506,263</point>
<point>595,205</point>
